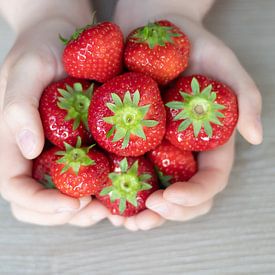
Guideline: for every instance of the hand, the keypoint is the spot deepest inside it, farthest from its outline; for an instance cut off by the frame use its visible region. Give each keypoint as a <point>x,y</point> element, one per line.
<point>34,62</point>
<point>210,56</point>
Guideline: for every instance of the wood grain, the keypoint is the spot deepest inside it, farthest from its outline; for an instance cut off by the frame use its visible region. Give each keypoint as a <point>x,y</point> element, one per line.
<point>237,237</point>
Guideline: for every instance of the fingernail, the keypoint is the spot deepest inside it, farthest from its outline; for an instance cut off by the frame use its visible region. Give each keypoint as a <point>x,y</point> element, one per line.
<point>26,141</point>
<point>160,208</point>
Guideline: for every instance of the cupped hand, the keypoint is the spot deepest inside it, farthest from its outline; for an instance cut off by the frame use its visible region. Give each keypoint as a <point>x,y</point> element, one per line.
<point>186,200</point>
<point>32,63</point>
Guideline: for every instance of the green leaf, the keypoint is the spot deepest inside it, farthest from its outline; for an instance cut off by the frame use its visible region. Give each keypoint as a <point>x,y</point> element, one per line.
<point>116,100</point>
<point>110,132</point>
<point>181,115</point>
<point>149,123</point>
<point>78,87</point>
<point>65,169</point>
<point>78,142</point>
<point>134,168</point>
<point>109,119</point>
<point>208,129</point>
<point>185,96</point>
<point>60,153</point>
<point>132,200</point>
<point>123,165</point>
<point>144,177</point>
<point>146,186</point>
<point>119,134</point>
<point>213,96</point>
<point>175,105</point>
<point>197,127</point>
<point>122,205</point>
<point>76,123</point>
<point>111,107</point>
<point>195,86</point>
<point>138,131</point>
<point>206,91</point>
<point>113,176</point>
<point>127,98</point>
<point>90,90</point>
<point>184,125</point>
<point>114,196</point>
<point>126,140</point>
<point>76,166</point>
<point>136,98</point>
<point>218,106</point>
<point>105,191</point>
<point>69,89</point>
<point>64,93</point>
<point>144,109</point>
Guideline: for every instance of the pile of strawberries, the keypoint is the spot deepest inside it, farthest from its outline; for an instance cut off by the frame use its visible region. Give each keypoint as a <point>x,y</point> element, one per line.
<point>123,123</point>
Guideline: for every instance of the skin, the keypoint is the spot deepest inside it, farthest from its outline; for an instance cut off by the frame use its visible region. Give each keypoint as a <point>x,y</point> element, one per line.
<point>35,61</point>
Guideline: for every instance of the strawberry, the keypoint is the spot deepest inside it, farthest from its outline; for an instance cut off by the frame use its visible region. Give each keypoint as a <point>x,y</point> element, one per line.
<point>158,49</point>
<point>41,169</point>
<point>172,164</point>
<point>127,116</point>
<point>201,113</point>
<point>80,171</point>
<point>130,183</point>
<point>63,109</point>
<point>94,52</point>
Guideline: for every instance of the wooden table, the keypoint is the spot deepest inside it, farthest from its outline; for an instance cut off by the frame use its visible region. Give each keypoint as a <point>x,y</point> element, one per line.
<point>237,237</point>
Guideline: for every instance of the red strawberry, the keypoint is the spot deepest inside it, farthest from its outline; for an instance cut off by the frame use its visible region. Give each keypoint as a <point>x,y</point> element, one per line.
<point>201,113</point>
<point>63,109</point>
<point>81,171</point>
<point>131,182</point>
<point>127,115</point>
<point>41,169</point>
<point>158,49</point>
<point>172,164</point>
<point>94,52</point>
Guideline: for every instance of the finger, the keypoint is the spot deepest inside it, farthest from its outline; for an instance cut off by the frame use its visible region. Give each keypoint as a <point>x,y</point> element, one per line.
<point>175,212</point>
<point>213,172</point>
<point>148,219</point>
<point>28,193</point>
<point>221,63</point>
<point>29,216</point>
<point>130,224</point>
<point>116,220</point>
<point>90,215</point>
<point>26,80</point>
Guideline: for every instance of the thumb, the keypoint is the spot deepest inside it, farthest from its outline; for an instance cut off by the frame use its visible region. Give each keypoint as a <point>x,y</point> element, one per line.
<point>25,83</point>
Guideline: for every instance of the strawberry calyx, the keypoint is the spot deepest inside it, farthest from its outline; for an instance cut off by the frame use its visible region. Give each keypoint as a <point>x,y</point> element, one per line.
<point>47,182</point>
<point>164,179</point>
<point>198,109</point>
<point>78,31</point>
<point>76,102</point>
<point>75,157</point>
<point>128,118</point>
<point>126,183</point>
<point>154,34</point>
